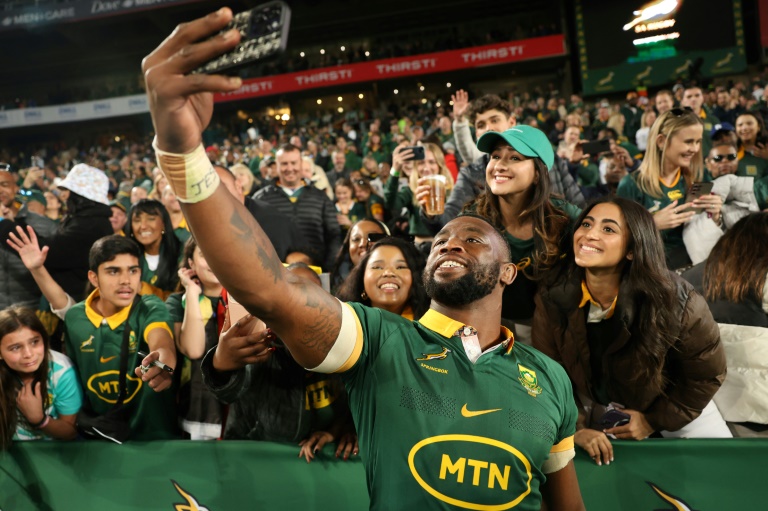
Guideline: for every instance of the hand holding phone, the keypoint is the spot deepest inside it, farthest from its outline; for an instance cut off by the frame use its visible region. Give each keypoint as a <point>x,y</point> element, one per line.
<point>697,190</point>
<point>418,152</point>
<point>595,147</point>
<point>263,33</point>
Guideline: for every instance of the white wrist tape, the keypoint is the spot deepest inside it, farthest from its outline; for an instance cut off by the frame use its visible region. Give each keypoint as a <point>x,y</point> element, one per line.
<point>191,175</point>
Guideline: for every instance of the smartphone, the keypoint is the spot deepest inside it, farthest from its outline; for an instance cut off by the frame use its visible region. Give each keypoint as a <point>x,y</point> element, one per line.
<point>263,34</point>
<point>697,190</point>
<point>418,152</point>
<point>235,310</point>
<point>613,418</point>
<point>596,147</point>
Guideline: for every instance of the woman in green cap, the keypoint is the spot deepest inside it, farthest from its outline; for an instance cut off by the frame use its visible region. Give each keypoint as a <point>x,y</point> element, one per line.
<point>517,201</point>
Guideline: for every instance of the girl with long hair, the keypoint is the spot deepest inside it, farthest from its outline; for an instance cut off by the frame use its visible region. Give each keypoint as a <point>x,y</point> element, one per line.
<point>197,311</point>
<point>389,277</point>
<point>736,287</point>
<point>372,204</point>
<point>672,163</point>
<point>630,334</point>
<point>753,145</point>
<point>150,226</point>
<point>517,200</point>
<point>39,391</point>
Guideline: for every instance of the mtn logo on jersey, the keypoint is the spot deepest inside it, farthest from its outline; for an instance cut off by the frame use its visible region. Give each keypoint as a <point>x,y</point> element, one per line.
<point>191,504</point>
<point>471,472</point>
<point>105,386</point>
<point>436,356</point>
<point>677,503</point>
<point>528,380</point>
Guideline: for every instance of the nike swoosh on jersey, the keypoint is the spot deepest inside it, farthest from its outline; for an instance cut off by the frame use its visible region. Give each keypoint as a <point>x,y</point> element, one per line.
<point>104,360</point>
<point>470,413</point>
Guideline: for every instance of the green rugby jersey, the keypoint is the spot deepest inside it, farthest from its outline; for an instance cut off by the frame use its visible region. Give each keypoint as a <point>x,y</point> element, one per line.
<point>437,431</point>
<point>93,343</point>
<point>629,189</point>
<point>751,165</point>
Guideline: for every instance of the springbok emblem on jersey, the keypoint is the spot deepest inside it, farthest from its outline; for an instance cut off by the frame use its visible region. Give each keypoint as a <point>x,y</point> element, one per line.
<point>436,356</point>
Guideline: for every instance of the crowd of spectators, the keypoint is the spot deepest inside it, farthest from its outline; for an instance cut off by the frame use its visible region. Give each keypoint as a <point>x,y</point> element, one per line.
<point>342,199</point>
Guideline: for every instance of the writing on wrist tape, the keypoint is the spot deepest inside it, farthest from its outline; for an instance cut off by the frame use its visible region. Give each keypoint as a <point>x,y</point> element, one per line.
<point>191,175</point>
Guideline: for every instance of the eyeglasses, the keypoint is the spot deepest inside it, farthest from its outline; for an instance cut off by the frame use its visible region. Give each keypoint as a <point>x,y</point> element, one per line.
<point>677,112</point>
<point>720,157</point>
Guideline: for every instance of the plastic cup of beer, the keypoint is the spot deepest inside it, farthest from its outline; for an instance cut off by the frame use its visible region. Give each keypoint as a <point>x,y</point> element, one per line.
<point>436,200</point>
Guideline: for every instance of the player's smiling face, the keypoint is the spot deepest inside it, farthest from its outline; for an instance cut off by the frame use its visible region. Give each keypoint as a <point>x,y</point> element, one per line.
<point>118,280</point>
<point>465,263</point>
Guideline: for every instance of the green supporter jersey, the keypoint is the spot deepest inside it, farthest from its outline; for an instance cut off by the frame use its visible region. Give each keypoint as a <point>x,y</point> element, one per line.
<point>752,166</point>
<point>761,193</point>
<point>437,431</point>
<point>628,188</point>
<point>93,343</point>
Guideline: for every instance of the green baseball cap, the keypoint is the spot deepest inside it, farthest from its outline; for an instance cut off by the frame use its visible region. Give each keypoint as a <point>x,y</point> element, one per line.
<point>25,196</point>
<point>526,140</point>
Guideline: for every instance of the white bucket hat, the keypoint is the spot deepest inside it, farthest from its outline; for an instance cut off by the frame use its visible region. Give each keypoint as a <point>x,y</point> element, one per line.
<point>88,182</point>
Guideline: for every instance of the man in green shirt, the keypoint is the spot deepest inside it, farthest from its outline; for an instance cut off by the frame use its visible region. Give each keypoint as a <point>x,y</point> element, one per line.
<point>93,332</point>
<point>693,98</point>
<point>449,410</point>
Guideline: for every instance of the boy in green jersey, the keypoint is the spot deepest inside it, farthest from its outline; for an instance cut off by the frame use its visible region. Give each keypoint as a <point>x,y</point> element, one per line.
<point>94,335</point>
<point>450,411</point>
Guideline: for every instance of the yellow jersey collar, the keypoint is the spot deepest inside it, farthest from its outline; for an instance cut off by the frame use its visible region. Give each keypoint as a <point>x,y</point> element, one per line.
<point>96,319</point>
<point>447,327</point>
<point>586,297</point>
<point>183,224</point>
<point>676,180</point>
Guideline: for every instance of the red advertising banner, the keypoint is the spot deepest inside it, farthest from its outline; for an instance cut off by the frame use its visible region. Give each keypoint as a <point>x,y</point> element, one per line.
<point>428,63</point>
<point>762,8</point>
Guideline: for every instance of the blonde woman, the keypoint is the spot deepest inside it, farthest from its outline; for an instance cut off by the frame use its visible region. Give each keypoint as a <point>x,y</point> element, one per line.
<point>672,163</point>
<point>646,121</point>
<point>243,177</point>
<point>397,200</point>
<point>159,184</point>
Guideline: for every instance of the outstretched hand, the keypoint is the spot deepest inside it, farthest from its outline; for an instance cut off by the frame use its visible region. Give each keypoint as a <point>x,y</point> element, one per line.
<point>25,243</point>
<point>181,104</point>
<point>460,103</point>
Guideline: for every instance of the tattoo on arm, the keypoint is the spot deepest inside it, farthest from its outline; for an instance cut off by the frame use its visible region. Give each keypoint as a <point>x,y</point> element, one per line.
<point>268,258</point>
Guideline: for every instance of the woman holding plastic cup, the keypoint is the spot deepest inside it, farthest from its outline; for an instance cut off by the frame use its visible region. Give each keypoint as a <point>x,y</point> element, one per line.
<point>430,168</point>
<point>517,200</point>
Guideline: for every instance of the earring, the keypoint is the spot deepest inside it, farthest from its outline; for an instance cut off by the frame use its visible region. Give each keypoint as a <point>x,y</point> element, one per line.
<point>363,295</point>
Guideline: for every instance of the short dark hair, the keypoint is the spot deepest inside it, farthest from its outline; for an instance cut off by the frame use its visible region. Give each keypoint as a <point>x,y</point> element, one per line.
<point>488,102</point>
<point>107,248</point>
<point>287,148</point>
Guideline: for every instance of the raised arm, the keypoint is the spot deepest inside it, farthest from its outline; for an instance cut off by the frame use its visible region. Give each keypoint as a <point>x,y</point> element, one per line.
<point>302,314</point>
<point>33,257</point>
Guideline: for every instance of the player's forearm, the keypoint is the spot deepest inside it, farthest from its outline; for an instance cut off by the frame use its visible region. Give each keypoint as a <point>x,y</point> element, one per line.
<point>305,317</point>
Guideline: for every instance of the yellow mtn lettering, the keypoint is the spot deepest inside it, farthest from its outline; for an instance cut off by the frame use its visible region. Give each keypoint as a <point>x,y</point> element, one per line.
<point>435,369</point>
<point>449,483</point>
<point>105,386</point>
<point>494,475</point>
<point>319,395</point>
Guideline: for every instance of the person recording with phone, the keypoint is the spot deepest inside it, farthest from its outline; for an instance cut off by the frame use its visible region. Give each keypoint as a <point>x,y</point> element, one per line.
<point>427,160</point>
<point>672,164</point>
<point>629,331</point>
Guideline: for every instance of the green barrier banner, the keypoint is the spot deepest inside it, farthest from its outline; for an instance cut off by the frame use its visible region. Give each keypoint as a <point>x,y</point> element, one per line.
<point>653,475</point>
